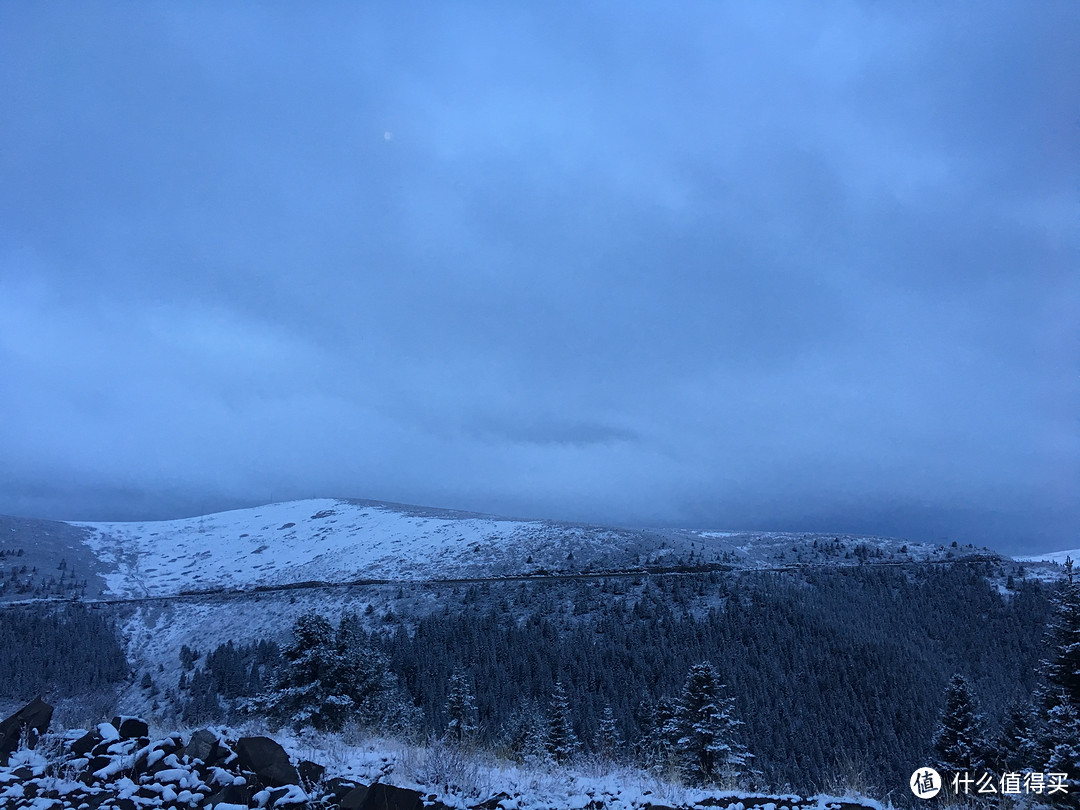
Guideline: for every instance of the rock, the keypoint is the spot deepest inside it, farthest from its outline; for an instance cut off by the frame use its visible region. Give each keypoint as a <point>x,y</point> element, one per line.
<point>36,715</point>
<point>102,749</point>
<point>169,745</point>
<point>130,728</point>
<point>275,794</point>
<point>98,762</point>
<point>85,744</point>
<point>493,802</point>
<point>108,732</point>
<point>230,794</point>
<point>390,797</point>
<point>156,767</point>
<point>203,746</point>
<point>310,772</point>
<point>354,798</point>
<point>267,760</point>
<point>338,786</point>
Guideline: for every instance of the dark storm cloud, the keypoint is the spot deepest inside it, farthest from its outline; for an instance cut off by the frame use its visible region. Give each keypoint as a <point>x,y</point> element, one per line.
<point>716,265</point>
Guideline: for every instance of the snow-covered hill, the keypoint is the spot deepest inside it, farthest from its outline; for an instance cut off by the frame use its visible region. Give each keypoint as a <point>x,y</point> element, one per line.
<point>1058,557</point>
<point>337,541</point>
<point>343,540</point>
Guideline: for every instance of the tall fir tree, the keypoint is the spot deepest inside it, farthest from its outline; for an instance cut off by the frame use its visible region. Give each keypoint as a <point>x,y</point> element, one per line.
<point>609,741</point>
<point>562,743</point>
<point>706,727</point>
<point>1061,692</point>
<point>1016,747</point>
<point>1062,668</point>
<point>460,709</point>
<point>656,747</point>
<point>329,678</point>
<point>959,742</point>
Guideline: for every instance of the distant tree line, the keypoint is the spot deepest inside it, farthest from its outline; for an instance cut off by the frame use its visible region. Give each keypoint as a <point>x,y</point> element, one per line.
<point>59,652</point>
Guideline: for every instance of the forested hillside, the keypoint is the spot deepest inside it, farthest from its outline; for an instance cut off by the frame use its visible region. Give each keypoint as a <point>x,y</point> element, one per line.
<point>57,650</point>
<point>834,673</point>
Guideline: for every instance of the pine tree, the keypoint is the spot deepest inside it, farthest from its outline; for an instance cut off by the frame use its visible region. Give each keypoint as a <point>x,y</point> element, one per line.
<point>657,746</point>
<point>1017,747</point>
<point>959,741</point>
<point>460,709</point>
<point>1063,725</point>
<point>608,740</point>
<point>1061,694</point>
<point>705,722</point>
<point>329,677</point>
<point>562,743</point>
<point>1062,670</point>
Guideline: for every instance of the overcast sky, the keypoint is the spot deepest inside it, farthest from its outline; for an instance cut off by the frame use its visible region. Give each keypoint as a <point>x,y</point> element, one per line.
<point>718,265</point>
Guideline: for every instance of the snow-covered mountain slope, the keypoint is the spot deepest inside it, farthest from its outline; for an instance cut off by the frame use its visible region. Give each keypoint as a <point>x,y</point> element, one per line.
<point>1058,557</point>
<point>344,540</point>
<point>334,541</point>
<point>46,559</point>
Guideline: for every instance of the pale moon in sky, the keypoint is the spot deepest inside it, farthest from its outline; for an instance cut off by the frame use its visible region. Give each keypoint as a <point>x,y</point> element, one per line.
<point>387,135</point>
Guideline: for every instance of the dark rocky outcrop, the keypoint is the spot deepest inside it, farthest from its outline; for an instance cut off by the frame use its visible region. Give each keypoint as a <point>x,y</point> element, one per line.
<point>310,772</point>
<point>267,760</point>
<point>354,799</point>
<point>389,797</point>
<point>86,743</point>
<point>130,728</point>
<point>34,717</point>
<point>204,747</point>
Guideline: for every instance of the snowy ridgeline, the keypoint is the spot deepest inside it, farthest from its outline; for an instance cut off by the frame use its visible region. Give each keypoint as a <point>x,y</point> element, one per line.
<point>229,768</point>
<point>327,540</point>
<point>1058,557</point>
<point>340,541</point>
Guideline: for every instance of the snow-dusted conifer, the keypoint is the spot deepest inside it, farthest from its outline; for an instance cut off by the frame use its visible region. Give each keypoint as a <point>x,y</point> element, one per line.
<point>959,742</point>
<point>1062,668</point>
<point>657,745</point>
<point>460,708</point>
<point>1016,748</point>
<point>608,740</point>
<point>705,721</point>
<point>1061,693</point>
<point>330,677</point>
<point>562,743</point>
<point>524,735</point>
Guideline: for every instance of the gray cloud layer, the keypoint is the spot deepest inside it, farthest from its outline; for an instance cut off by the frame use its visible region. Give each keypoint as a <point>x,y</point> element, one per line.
<point>735,265</point>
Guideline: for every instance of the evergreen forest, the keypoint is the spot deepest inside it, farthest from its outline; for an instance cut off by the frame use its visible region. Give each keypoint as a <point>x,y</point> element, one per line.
<point>822,678</point>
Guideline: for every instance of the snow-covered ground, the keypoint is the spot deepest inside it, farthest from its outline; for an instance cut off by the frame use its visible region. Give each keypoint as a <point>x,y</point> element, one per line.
<point>460,779</point>
<point>1058,557</point>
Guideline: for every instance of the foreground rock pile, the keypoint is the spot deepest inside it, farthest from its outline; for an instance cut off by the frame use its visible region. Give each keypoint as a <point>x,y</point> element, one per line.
<point>116,766</point>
